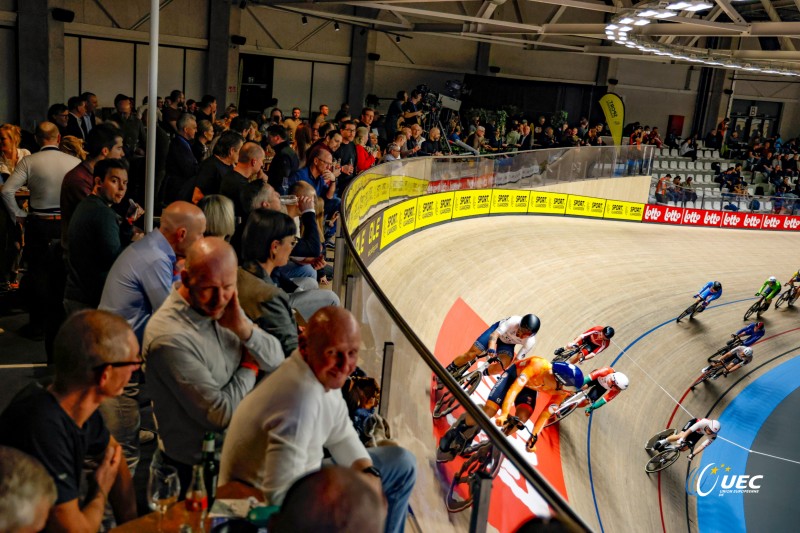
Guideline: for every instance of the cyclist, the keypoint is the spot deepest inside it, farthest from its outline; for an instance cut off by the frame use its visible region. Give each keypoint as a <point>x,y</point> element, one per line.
<point>500,340</point>
<point>791,282</point>
<point>519,386</point>
<point>592,342</point>
<point>691,434</point>
<point>735,359</point>
<point>603,385</point>
<point>769,290</point>
<point>754,331</point>
<point>710,292</point>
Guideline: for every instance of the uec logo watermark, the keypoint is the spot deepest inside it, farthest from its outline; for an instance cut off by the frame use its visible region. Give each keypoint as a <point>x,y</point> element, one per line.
<point>698,481</point>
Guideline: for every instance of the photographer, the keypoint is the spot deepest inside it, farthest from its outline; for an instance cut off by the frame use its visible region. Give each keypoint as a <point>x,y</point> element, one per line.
<point>411,115</point>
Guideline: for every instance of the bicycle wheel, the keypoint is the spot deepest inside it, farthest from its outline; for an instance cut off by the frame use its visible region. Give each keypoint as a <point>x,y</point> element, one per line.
<point>463,478</point>
<point>662,460</point>
<point>753,309</point>
<point>706,375</point>
<point>793,299</point>
<point>689,310</point>
<point>561,414</point>
<point>695,309</point>
<point>448,403</point>
<point>563,356</point>
<point>783,299</point>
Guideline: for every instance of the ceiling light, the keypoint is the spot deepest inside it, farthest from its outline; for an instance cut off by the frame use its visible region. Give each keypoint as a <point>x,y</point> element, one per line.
<point>625,28</point>
<point>648,13</point>
<point>612,27</point>
<point>699,7</point>
<point>626,20</point>
<point>679,6</point>
<point>304,20</point>
<point>641,22</point>
<point>335,26</point>
<point>664,14</point>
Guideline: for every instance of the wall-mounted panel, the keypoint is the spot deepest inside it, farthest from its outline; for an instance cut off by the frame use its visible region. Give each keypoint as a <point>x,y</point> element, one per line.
<point>106,68</point>
<point>292,84</point>
<point>8,73</point>
<point>170,70</point>
<point>195,74</point>
<point>72,66</point>
<point>330,87</point>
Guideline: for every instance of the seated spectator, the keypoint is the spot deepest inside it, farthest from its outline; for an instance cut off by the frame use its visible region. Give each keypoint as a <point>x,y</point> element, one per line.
<point>433,145</point>
<point>97,235</point>
<point>654,138</point>
<point>220,219</point>
<point>280,429</point>
<point>209,174</point>
<point>689,192</point>
<point>95,354</point>
<point>308,253</point>
<point>675,191</point>
<point>712,140</point>
<point>319,174</point>
<point>689,148</point>
<point>662,188</point>
<point>343,502</point>
<point>364,157</point>
<point>477,139</point>
<point>27,492</point>
<point>592,139</point>
<point>203,355</point>
<point>392,153</point>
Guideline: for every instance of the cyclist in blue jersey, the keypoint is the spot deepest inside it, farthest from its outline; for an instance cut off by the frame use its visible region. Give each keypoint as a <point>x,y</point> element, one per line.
<point>754,331</point>
<point>710,292</point>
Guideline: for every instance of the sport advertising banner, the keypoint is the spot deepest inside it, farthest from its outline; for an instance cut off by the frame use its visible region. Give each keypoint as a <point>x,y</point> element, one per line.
<point>614,110</point>
<point>548,203</point>
<point>585,206</point>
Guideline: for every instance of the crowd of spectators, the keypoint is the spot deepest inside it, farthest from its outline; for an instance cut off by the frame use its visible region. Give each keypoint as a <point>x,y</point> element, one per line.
<point>222,302</point>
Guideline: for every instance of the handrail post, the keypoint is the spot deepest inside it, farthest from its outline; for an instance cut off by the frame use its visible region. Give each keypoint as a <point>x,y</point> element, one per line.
<point>340,257</point>
<point>482,494</point>
<point>386,378</point>
<point>349,287</point>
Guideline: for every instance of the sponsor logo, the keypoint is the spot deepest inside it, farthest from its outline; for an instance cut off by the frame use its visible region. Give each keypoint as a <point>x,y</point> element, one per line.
<point>752,221</point>
<point>720,481</point>
<point>791,222</point>
<point>711,218</point>
<point>731,220</point>
<point>771,221</point>
<point>691,217</point>
<point>652,213</point>
<point>672,215</point>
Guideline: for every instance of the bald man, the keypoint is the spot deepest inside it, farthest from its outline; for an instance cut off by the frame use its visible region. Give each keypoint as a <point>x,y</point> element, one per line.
<point>203,354</point>
<point>279,431</point>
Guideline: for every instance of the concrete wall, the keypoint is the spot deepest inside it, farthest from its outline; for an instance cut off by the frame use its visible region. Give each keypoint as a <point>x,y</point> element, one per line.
<point>8,73</point>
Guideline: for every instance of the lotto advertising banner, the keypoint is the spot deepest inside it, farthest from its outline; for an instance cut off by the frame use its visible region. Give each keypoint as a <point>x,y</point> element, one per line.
<point>662,214</point>
<point>547,203</point>
<point>614,111</point>
<point>472,203</point>
<point>585,206</point>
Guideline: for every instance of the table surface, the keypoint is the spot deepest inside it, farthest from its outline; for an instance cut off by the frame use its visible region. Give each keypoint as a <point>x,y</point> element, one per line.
<point>174,517</point>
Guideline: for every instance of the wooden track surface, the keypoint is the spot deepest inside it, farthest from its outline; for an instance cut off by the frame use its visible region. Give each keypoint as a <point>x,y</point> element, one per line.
<point>574,274</point>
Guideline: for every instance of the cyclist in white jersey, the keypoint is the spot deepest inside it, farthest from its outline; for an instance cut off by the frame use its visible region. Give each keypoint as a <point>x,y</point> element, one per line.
<point>690,435</point>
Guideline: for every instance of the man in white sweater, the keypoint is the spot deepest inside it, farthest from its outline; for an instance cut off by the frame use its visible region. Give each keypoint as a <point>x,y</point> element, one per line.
<point>278,432</point>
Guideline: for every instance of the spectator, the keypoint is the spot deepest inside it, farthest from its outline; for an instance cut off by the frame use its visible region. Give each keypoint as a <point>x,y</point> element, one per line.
<point>477,139</point>
<point>285,162</point>
<point>333,140</point>
<point>304,137</point>
<point>173,110</point>
<point>201,147</point>
<point>344,111</point>
<point>319,174</point>
<point>90,119</point>
<point>307,254</point>
<point>366,119</point>
<point>689,191</point>
<point>76,107</point>
<point>209,175</point>
<point>662,189</point>
<point>675,191</point>
<point>10,152</point>
<point>220,219</point>
<point>10,233</point>
<point>346,154</point>
<point>432,146</point>
<point>513,137</point>
<point>133,132</point>
<point>191,106</point>
<point>538,129</point>
<point>412,115</point>
<point>103,142</point>
<point>394,114</point>
<point>97,235</point>
<point>207,109</point>
<point>292,123</point>
<point>343,502</point>
<point>266,448</point>
<point>689,148</point>
<point>73,146</point>
<point>364,159</point>
<point>181,163</point>
<point>322,116</point>
<point>526,139</point>
<point>95,354</point>
<point>392,153</point>
<point>58,114</point>
<point>203,355</point>
<point>27,492</point>
<point>242,182</point>
<point>43,174</point>
<point>654,138</point>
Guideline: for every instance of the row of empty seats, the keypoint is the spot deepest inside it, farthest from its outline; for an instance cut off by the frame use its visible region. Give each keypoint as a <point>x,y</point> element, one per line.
<point>701,153</point>
<point>681,164</point>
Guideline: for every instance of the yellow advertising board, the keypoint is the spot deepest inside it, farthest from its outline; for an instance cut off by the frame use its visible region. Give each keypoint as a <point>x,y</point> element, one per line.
<point>510,201</point>
<point>472,203</point>
<point>585,206</point>
<point>614,110</point>
<point>552,203</point>
<point>398,220</point>
<point>434,208</point>
<point>624,210</point>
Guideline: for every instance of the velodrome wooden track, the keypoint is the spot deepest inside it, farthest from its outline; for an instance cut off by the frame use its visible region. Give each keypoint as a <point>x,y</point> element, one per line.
<point>577,273</point>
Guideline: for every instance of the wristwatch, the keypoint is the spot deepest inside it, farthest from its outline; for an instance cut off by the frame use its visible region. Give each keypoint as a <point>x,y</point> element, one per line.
<point>372,471</point>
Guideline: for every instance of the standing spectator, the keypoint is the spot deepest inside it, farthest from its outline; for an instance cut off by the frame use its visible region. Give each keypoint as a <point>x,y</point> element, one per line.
<point>210,172</point>
<point>322,116</point>
<point>366,120</point>
<point>526,138</point>
<point>173,110</point>
<point>394,114</point>
<point>77,110</point>
<point>97,235</point>
<point>134,137</point>
<point>181,163</point>
<point>304,138</point>
<point>10,234</point>
<point>346,154</point>
<point>364,159</point>
<point>27,492</point>
<point>201,147</point>
<point>539,129</point>
<point>95,354</point>
<point>344,111</point>
<point>266,448</point>
<point>10,152</point>
<point>412,115</point>
<point>285,162</point>
<point>43,174</point>
<point>58,114</point>
<point>291,123</point>
<point>242,182</point>
<point>90,119</point>
<point>203,354</point>
<point>207,110</point>
<point>513,137</point>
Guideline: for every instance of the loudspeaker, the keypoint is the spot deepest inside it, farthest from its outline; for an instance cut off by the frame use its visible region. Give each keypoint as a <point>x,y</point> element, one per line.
<point>613,81</point>
<point>727,91</point>
<point>494,70</point>
<point>62,15</point>
<point>238,40</point>
<point>372,56</point>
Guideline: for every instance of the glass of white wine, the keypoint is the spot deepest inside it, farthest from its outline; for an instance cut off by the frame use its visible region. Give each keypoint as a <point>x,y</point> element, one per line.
<point>163,489</point>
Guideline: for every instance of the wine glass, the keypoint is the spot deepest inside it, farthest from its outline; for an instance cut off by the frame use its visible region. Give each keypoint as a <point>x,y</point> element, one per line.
<point>163,489</point>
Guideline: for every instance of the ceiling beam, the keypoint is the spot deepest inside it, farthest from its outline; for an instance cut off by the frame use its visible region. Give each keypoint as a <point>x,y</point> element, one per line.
<point>581,4</point>
<point>729,10</point>
<point>786,43</point>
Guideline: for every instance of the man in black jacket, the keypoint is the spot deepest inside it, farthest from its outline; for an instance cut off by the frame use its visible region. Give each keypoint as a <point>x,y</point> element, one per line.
<point>285,162</point>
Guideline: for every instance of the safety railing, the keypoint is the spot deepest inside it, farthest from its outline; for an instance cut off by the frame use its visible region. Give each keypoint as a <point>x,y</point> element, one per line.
<point>398,353</point>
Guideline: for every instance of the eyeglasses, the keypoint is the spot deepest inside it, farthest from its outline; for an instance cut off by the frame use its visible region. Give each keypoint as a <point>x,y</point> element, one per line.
<point>119,364</point>
<point>294,241</point>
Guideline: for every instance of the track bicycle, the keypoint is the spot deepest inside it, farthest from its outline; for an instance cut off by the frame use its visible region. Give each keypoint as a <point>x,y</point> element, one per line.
<point>484,460</point>
<point>568,406</point>
<point>694,309</point>
<point>788,297</point>
<point>468,381</point>
<point>730,345</point>
<point>759,307</point>
<point>666,456</point>
<point>564,354</point>
<point>716,369</point>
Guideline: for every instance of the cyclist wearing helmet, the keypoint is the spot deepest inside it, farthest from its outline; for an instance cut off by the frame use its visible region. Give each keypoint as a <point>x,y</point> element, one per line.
<point>791,282</point>
<point>735,359</point>
<point>710,292</point>
<point>769,290</point>
<point>500,339</point>
<point>603,385</point>
<point>691,434</point>
<point>594,341</point>
<point>517,386</point>
<point>754,331</point>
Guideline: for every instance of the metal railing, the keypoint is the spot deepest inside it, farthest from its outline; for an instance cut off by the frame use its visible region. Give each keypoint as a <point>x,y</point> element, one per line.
<point>714,199</point>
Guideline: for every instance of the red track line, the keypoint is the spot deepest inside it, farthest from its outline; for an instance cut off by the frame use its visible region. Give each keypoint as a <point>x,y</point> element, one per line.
<point>672,416</point>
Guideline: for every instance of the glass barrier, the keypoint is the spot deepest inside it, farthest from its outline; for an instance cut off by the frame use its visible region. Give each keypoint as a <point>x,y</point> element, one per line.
<point>715,199</point>
<point>373,217</point>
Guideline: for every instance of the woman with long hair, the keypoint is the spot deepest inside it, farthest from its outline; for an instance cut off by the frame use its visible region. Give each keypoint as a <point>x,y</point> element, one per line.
<point>10,231</point>
<point>302,143</point>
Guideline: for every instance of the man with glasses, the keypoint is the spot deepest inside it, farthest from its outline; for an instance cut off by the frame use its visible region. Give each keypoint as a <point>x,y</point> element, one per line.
<point>346,154</point>
<point>95,354</point>
<point>319,173</point>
